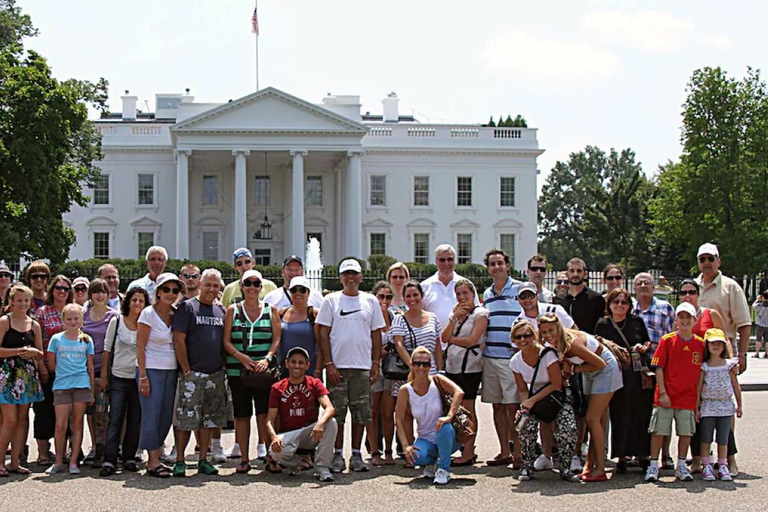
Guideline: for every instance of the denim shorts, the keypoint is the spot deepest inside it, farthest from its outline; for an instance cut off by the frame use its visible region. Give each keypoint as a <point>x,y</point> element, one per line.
<point>607,380</point>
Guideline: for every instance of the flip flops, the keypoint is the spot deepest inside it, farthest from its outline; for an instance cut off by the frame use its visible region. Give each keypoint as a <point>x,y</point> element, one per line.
<point>243,468</point>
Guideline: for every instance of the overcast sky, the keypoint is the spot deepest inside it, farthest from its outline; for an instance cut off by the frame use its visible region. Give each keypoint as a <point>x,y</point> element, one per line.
<point>607,73</point>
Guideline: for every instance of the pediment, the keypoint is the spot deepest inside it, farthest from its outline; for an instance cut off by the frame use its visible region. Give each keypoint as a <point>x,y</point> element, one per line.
<point>508,223</point>
<point>378,223</point>
<point>146,221</point>
<point>100,221</point>
<point>210,221</point>
<point>269,111</point>
<point>422,223</point>
<point>316,222</point>
<point>465,223</point>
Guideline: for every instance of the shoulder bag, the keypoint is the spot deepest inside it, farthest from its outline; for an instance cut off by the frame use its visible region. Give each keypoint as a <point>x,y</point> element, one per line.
<point>620,353</point>
<point>547,408</point>
<point>253,379</point>
<point>395,368</point>
<point>473,350</point>
<point>463,422</point>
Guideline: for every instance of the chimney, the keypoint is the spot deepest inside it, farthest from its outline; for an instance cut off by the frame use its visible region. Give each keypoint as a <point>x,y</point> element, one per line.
<point>187,98</point>
<point>129,106</point>
<point>390,108</point>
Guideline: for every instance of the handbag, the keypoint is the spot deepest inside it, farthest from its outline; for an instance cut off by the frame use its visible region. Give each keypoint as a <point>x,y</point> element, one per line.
<point>578,398</point>
<point>620,353</point>
<point>547,408</point>
<point>258,380</point>
<point>394,367</point>
<point>463,422</point>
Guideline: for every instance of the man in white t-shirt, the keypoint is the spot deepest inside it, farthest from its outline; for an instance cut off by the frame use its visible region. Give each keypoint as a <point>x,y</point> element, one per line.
<point>527,296</point>
<point>350,338</point>
<point>281,298</point>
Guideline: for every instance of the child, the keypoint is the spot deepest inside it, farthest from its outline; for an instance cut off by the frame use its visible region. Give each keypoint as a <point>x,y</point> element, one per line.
<point>678,364</point>
<point>715,408</point>
<point>71,353</point>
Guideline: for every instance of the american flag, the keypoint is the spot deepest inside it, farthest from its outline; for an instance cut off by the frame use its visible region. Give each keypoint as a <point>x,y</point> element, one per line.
<point>255,22</point>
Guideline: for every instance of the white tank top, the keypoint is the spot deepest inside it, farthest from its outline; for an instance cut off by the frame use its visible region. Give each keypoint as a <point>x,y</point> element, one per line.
<point>592,345</point>
<point>426,411</point>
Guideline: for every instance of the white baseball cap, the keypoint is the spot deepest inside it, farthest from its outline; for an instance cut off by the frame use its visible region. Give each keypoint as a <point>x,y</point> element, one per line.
<point>708,249</point>
<point>350,265</point>
<point>249,274</point>
<point>686,307</point>
<point>299,281</point>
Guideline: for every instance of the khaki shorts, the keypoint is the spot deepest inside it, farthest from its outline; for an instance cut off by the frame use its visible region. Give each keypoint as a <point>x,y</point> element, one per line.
<point>201,401</point>
<point>352,392</point>
<point>499,386</point>
<point>661,422</point>
<point>70,396</point>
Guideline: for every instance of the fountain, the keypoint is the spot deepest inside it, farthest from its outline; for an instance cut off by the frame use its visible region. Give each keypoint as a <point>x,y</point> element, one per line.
<point>313,265</point>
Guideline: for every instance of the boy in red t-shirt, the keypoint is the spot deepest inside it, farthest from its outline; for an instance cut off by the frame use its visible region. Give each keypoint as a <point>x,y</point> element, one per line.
<point>678,365</point>
<point>294,422</point>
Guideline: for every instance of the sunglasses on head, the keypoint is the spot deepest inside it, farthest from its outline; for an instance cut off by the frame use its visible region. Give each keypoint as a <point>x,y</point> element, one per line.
<point>562,281</point>
<point>683,293</point>
<point>244,262</point>
<point>538,269</point>
<point>251,282</point>
<point>385,296</point>
<point>299,289</point>
<point>190,276</point>
<point>61,288</point>
<point>704,259</point>
<point>168,289</point>
<point>36,277</point>
<point>613,278</point>
<point>423,364</point>
<point>525,336</point>
<point>79,288</point>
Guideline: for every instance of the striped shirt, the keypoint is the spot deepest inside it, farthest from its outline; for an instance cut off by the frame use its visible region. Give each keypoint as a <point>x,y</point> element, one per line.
<point>259,335</point>
<point>503,309</point>
<point>424,336</point>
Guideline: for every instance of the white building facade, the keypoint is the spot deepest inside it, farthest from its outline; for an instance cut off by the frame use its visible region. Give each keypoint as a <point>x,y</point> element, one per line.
<point>202,179</point>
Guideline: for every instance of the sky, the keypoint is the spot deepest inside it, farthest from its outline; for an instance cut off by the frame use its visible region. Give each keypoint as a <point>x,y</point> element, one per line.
<point>606,73</point>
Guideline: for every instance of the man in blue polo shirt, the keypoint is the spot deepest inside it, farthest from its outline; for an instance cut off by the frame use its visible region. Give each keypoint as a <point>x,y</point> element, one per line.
<point>499,388</point>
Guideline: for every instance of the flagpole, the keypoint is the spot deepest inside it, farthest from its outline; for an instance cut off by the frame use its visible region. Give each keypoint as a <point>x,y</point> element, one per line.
<point>255,29</point>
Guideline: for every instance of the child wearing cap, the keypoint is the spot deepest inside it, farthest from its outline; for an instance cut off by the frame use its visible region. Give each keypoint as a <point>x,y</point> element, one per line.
<point>715,407</point>
<point>677,361</point>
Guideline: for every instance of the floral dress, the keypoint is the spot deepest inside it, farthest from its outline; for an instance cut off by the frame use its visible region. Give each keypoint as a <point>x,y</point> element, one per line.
<point>19,382</point>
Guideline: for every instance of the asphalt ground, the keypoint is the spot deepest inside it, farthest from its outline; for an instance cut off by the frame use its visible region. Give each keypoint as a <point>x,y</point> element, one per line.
<point>396,488</point>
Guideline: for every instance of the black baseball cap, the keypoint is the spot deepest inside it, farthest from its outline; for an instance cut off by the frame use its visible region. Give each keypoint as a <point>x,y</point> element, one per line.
<point>291,258</point>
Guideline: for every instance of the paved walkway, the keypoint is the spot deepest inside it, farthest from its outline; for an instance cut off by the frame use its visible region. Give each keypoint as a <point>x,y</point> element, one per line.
<point>756,376</point>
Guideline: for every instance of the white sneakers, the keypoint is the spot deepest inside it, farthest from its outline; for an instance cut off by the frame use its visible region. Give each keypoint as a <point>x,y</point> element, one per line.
<point>234,452</point>
<point>170,457</point>
<point>652,474</point>
<point>683,474</point>
<point>217,454</point>
<point>441,477</point>
<point>576,466</point>
<point>542,463</point>
<point>429,471</point>
<point>261,451</point>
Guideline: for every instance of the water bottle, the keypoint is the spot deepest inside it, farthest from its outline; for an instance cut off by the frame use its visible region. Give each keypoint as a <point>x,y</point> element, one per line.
<point>101,402</point>
<point>637,364</point>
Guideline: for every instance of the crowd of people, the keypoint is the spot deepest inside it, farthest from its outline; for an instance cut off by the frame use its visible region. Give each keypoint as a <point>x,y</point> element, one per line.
<point>574,376</point>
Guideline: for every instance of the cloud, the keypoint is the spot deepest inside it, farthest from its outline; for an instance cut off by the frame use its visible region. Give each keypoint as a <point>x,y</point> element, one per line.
<point>540,60</point>
<point>652,32</point>
<point>718,41</point>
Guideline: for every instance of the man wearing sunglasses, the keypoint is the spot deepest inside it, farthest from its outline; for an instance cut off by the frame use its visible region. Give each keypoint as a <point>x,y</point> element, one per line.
<point>190,276</point>
<point>157,258</point>
<point>528,297</point>
<point>657,314</point>
<point>243,262</point>
<point>537,271</point>
<point>293,266</point>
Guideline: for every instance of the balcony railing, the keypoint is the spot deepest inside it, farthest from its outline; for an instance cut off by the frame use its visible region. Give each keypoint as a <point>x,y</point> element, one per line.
<point>383,135</point>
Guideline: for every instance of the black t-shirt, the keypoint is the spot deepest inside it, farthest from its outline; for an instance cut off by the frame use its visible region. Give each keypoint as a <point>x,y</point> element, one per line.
<point>204,327</point>
<point>586,308</point>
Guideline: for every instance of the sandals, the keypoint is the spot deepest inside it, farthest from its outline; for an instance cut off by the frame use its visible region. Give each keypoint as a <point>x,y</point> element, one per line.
<point>4,473</point>
<point>305,465</point>
<point>500,461</point>
<point>272,466</point>
<point>469,462</point>
<point>44,461</point>
<point>160,471</point>
<point>243,468</point>
<point>377,461</point>
<point>388,459</point>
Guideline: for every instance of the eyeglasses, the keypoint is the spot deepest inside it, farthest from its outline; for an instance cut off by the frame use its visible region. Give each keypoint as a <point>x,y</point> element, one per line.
<point>79,289</point>
<point>613,278</point>
<point>445,260</point>
<point>562,281</point>
<point>168,289</point>
<point>620,302</point>
<point>683,293</point>
<point>61,288</point>
<point>385,296</point>
<point>526,336</point>
<point>526,296</point>
<point>243,262</point>
<point>538,269</point>
<point>704,259</point>
<point>35,277</point>
<point>251,282</point>
<point>298,289</point>
<point>423,364</point>
<point>190,276</point>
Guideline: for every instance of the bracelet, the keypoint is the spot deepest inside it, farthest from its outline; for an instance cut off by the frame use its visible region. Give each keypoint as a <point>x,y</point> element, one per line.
<point>375,362</point>
<point>329,363</point>
<point>144,378</point>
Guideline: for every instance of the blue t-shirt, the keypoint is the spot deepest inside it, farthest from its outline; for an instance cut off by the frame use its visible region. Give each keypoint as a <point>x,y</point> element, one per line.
<point>71,362</point>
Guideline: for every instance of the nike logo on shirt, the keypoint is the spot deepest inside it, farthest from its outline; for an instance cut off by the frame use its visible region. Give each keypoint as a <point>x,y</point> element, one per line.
<point>345,313</point>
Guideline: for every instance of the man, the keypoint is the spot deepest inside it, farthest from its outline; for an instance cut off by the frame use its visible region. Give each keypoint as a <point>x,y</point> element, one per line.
<point>583,304</point>
<point>281,298</point>
<point>658,315</point>
<point>109,273</point>
<point>528,297</point>
<point>296,401</point>
<point>190,276</point>
<point>499,388</point>
<point>198,328</point>
<point>243,261</point>
<point>350,338</point>
<point>537,271</point>
<point>157,258</point>
<point>6,276</point>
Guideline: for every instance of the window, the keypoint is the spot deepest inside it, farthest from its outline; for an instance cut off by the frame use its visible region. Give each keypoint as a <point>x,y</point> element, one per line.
<point>319,237</point>
<point>507,192</point>
<point>210,190</point>
<point>168,102</point>
<point>263,191</point>
<point>507,244</point>
<point>420,247</point>
<point>101,245</point>
<point>464,191</point>
<point>464,248</point>
<point>262,256</point>
<point>378,191</point>
<point>314,191</point>
<point>146,189</point>
<point>210,245</point>
<point>101,190</point>
<point>378,243</point>
<point>146,240</point>
<point>421,191</point>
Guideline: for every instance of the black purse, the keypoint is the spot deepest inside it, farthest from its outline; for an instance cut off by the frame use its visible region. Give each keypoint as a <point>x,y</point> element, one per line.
<point>261,381</point>
<point>395,368</point>
<point>547,408</point>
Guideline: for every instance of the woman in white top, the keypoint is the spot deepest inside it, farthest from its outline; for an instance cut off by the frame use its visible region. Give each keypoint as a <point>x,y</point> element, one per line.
<point>120,358</point>
<point>157,369</point>
<point>436,439</point>
<point>548,379</point>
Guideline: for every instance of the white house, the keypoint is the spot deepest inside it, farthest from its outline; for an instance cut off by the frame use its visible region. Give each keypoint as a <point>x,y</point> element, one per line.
<point>269,170</point>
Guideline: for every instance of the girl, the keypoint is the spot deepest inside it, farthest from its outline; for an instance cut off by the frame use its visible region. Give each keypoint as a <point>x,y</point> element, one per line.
<point>21,346</point>
<point>715,407</point>
<point>71,354</point>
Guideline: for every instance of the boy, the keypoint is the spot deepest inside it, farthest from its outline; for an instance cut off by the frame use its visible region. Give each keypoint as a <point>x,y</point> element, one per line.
<point>678,364</point>
<point>761,320</point>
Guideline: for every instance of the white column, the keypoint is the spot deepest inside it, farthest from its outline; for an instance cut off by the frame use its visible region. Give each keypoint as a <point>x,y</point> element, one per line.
<point>240,236</point>
<point>355,204</point>
<point>339,224</point>
<point>182,204</point>
<point>297,210</point>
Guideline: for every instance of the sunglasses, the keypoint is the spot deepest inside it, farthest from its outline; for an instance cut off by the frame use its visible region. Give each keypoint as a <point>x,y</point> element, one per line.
<point>562,281</point>
<point>538,269</point>
<point>61,288</point>
<point>168,289</point>
<point>6,275</point>
<point>444,260</point>
<point>613,278</point>
<point>385,296</point>
<point>190,276</point>
<point>397,277</point>
<point>522,336</point>
<point>252,282</point>
<point>620,302</point>
<point>423,364</point>
<point>526,296</point>
<point>704,259</point>
<point>244,262</point>
<point>683,293</point>
<point>36,277</point>
<point>299,289</point>
<point>79,289</point>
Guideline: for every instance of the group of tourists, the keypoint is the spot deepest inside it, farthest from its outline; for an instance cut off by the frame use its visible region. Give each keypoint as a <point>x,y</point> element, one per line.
<point>568,372</point>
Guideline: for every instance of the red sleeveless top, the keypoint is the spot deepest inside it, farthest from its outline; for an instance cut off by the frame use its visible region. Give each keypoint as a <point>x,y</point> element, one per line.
<point>703,323</point>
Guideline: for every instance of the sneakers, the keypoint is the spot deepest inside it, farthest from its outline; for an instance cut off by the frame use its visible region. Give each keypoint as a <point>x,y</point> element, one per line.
<point>324,474</point>
<point>74,470</point>
<point>338,465</point>
<point>525,475</point>
<point>667,462</point>
<point>724,474</point>
<point>542,463</point>
<point>91,454</point>
<point>179,469</point>
<point>217,454</point>
<point>429,471</point>
<point>708,473</point>
<point>170,458</point>
<point>261,451</point>
<point>234,452</point>
<point>139,455</point>
<point>204,468</point>
<point>56,468</point>
<point>441,477</point>
<point>576,466</point>
<point>356,463</point>
<point>652,474</point>
<point>570,477</point>
<point>683,474</point>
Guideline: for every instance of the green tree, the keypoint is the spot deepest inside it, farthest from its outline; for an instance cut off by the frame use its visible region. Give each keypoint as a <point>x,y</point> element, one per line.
<point>490,122</point>
<point>47,145</point>
<point>520,122</point>
<point>508,121</point>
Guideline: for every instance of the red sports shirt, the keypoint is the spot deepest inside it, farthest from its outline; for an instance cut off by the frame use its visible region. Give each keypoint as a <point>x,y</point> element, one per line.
<point>681,361</point>
<point>297,404</point>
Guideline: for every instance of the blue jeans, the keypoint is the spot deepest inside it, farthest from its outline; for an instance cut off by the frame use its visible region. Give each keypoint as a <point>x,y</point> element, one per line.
<point>157,408</point>
<point>440,451</point>
<point>123,404</point>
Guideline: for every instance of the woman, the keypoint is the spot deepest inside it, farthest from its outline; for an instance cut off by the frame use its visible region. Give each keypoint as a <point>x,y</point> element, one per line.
<point>465,338</point>
<point>49,317</point>
<point>436,439</point>
<point>397,275</point>
<point>21,347</point>
<point>631,406</point>
<point>613,277</point>
<point>120,357</point>
<point>251,340</point>
<point>561,284</point>
<point>601,377</point>
<point>36,276</point>
<point>383,406</point>
<point>417,328</point>
<point>96,318</point>
<point>80,286</point>
<point>548,379</point>
<point>157,370</point>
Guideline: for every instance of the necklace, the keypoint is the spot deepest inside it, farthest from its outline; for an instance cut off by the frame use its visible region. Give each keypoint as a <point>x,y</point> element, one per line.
<point>622,324</point>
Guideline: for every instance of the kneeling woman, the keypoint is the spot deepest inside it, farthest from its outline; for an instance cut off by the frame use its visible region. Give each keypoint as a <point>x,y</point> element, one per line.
<point>533,387</point>
<point>436,438</point>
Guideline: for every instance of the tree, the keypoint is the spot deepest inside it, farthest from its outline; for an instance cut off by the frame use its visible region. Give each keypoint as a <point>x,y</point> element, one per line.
<point>47,145</point>
<point>490,122</point>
